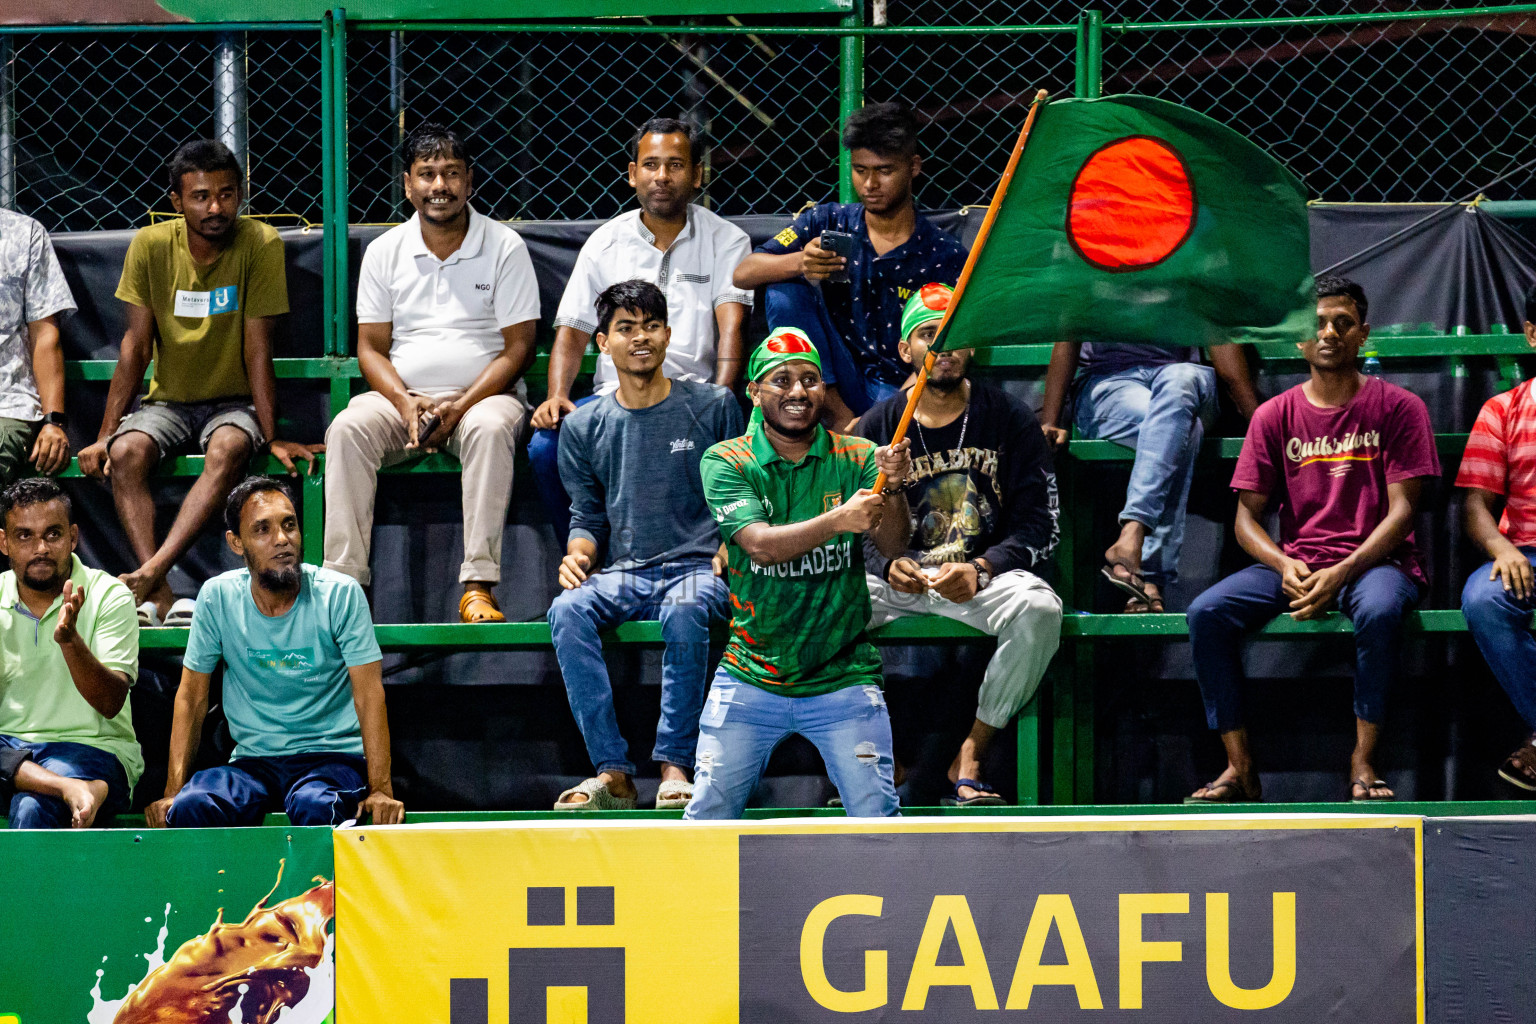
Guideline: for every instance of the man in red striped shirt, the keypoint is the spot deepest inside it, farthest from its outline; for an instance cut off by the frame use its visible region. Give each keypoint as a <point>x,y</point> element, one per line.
<point>1500,466</point>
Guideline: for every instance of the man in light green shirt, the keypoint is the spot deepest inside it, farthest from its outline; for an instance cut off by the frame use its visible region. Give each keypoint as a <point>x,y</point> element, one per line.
<point>69,651</point>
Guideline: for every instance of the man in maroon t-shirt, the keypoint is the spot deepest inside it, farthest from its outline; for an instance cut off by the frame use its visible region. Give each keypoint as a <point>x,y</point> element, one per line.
<point>1344,456</point>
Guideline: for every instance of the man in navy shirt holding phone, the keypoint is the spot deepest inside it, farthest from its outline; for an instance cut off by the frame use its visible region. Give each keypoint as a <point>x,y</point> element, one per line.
<point>892,251</point>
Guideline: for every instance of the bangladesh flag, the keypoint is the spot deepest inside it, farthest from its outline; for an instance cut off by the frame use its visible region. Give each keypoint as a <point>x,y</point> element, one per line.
<point>1134,219</point>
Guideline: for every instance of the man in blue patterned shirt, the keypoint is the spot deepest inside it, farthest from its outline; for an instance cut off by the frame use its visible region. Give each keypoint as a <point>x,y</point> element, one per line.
<point>856,324</point>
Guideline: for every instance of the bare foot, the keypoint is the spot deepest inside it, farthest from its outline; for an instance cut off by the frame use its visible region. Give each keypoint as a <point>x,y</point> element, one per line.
<point>149,585</point>
<point>1231,786</point>
<point>84,797</point>
<point>1125,552</point>
<point>1154,605</point>
<point>618,784</point>
<point>1363,777</point>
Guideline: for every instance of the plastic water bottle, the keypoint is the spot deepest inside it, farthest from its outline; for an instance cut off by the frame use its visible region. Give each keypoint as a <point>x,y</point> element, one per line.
<point>1372,366</point>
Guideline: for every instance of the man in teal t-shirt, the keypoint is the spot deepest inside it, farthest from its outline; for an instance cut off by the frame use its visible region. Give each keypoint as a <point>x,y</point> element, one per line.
<point>791,499</point>
<point>303,686</point>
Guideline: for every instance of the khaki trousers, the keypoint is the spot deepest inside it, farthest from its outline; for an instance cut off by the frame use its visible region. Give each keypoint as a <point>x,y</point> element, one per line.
<point>369,435</point>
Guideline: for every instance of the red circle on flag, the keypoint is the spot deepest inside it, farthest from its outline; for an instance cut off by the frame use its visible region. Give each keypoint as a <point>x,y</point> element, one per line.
<point>1131,204</point>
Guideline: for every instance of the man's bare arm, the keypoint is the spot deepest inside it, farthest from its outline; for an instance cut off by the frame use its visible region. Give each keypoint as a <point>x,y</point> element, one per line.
<point>730,318</point>
<point>564,364</point>
<point>1232,367</point>
<point>1058,377</point>
<point>770,545</point>
<point>368,699</point>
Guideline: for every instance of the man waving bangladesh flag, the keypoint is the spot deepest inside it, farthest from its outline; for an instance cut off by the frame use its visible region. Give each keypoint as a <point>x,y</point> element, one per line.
<point>1134,219</point>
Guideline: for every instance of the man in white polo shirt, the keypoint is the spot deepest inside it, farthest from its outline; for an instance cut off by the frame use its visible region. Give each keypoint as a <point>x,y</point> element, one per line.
<point>447,305</point>
<point>686,251</point>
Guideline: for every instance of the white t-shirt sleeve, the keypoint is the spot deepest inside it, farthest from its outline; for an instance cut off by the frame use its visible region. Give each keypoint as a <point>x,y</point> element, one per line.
<point>517,289</point>
<point>733,247</point>
<point>375,305</point>
<point>578,303</point>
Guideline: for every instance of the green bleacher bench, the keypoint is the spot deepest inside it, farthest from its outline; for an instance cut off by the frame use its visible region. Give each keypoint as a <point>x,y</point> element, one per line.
<point>513,636</point>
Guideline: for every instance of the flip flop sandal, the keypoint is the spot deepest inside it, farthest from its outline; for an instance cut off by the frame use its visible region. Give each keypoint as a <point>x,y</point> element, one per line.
<point>149,615</point>
<point>479,606</point>
<point>1519,769</point>
<point>673,795</point>
<point>987,796</point>
<point>1368,786</point>
<point>598,798</point>
<point>180,613</point>
<point>1238,795</point>
<point>1134,586</point>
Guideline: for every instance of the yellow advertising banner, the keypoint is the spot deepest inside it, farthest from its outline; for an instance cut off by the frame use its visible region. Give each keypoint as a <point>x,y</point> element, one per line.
<point>1277,918</point>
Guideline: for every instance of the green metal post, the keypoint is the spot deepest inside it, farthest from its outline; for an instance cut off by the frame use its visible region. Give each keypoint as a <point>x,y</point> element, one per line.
<point>1095,54</point>
<point>1089,65</point>
<point>327,183</point>
<point>341,394</point>
<point>1063,674</point>
<point>1027,772</point>
<point>1081,714</point>
<point>340,341</point>
<point>312,507</point>
<point>850,98</point>
<point>1080,60</point>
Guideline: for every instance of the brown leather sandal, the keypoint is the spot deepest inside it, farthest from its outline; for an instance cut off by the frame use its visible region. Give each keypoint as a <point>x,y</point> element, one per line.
<point>479,606</point>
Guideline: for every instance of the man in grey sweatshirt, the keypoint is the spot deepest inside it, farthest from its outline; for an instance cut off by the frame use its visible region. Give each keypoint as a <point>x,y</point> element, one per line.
<point>642,545</point>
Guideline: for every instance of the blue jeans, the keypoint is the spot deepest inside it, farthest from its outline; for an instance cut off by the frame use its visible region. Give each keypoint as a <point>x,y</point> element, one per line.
<point>800,304</point>
<point>312,789</point>
<point>686,597</point>
<point>1246,600</point>
<point>73,761</point>
<point>1501,625</point>
<point>544,462</point>
<point>742,724</point>
<point>1161,412</point>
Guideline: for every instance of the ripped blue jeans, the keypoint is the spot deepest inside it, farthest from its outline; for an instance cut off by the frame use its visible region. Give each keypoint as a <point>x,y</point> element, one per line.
<point>742,724</point>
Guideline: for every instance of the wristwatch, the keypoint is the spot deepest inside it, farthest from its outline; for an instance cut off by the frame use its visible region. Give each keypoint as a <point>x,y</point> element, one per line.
<point>983,577</point>
<point>56,419</point>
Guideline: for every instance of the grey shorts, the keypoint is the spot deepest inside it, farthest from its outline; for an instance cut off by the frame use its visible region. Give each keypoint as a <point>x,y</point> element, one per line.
<point>173,426</point>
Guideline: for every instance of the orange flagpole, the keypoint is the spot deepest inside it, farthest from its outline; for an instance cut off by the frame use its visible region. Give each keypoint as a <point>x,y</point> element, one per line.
<point>965,275</point>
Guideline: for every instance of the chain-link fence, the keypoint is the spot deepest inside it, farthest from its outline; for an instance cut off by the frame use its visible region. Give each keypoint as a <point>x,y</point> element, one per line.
<point>551,115</point>
<point>92,118</point>
<point>1387,112</point>
<point>971,94</point>
<point>1419,108</point>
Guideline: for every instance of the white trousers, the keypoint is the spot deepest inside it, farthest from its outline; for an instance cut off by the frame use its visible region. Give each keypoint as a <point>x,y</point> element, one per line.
<point>1019,608</point>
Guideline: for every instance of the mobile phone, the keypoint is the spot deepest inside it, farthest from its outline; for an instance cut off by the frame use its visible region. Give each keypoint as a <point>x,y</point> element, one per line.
<point>424,426</point>
<point>840,242</point>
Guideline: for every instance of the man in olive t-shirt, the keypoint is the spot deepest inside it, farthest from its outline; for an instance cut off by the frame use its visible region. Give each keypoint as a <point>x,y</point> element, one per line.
<point>203,292</point>
<point>791,499</point>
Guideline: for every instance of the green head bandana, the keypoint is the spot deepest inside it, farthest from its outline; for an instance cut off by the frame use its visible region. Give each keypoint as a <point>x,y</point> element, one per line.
<point>784,345</point>
<point>927,303</point>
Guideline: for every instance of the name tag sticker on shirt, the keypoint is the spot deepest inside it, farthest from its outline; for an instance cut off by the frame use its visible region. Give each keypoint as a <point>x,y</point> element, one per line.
<point>201,304</point>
